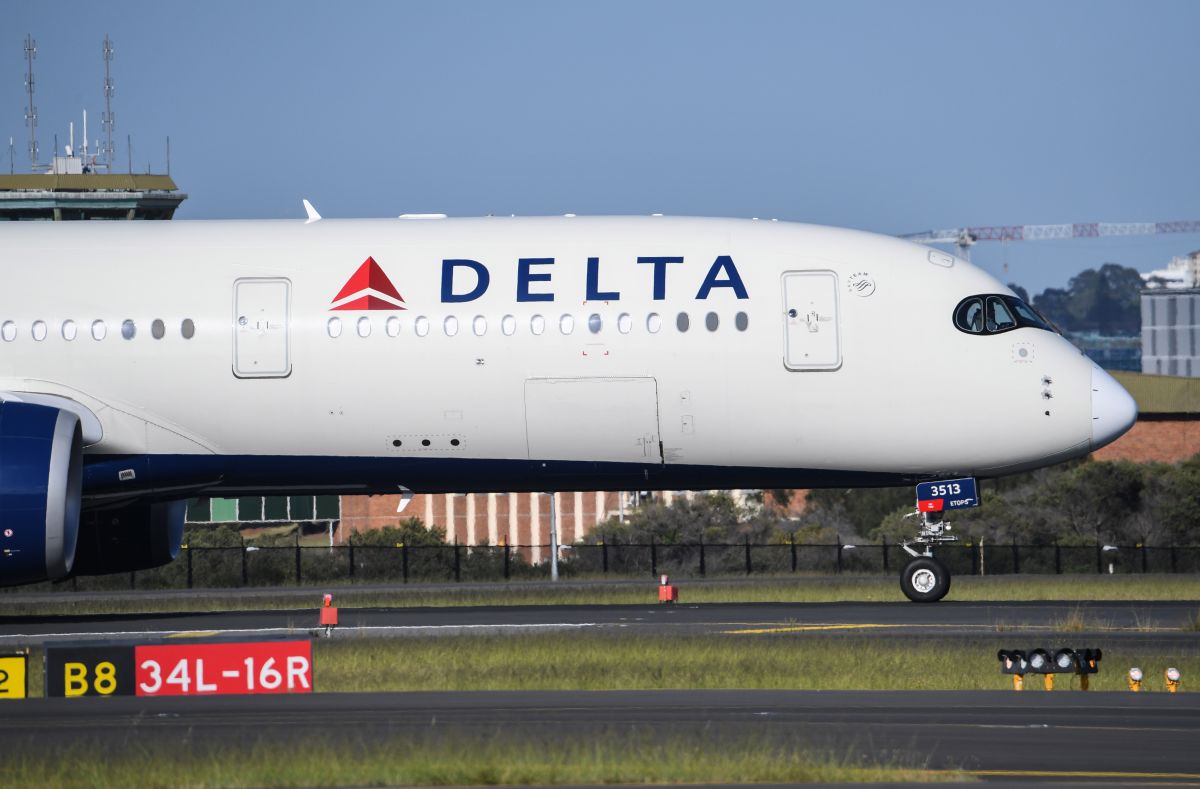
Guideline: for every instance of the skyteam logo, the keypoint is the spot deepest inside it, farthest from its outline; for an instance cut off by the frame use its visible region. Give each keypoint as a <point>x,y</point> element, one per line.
<point>368,289</point>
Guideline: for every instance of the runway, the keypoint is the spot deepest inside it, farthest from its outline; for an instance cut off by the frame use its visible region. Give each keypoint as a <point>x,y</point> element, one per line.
<point>997,734</point>
<point>1161,620</point>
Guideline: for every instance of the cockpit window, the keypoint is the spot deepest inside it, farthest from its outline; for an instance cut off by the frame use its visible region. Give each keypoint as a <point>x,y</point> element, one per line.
<point>1030,317</point>
<point>993,314</point>
<point>969,315</point>
<point>998,317</point>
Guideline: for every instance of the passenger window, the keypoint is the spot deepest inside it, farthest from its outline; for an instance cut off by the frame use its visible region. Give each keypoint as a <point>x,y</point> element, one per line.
<point>99,330</point>
<point>682,322</point>
<point>566,324</point>
<point>128,329</point>
<point>653,322</point>
<point>537,324</point>
<point>998,317</point>
<point>969,317</point>
<point>479,325</point>
<point>421,326</point>
<point>594,323</point>
<point>711,321</point>
<point>188,329</point>
<point>39,330</point>
<point>624,322</point>
<point>158,329</point>
<point>364,326</point>
<point>69,331</point>
<point>450,325</point>
<point>741,321</point>
<point>508,325</point>
<point>8,331</point>
<point>392,326</point>
<point>334,327</point>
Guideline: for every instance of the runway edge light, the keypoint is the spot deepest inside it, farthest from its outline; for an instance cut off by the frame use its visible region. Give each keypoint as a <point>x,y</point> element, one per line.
<point>667,592</point>
<point>1135,679</point>
<point>1172,678</point>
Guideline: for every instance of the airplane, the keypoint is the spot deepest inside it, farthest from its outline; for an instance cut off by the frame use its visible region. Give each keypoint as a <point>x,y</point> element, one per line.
<point>146,363</point>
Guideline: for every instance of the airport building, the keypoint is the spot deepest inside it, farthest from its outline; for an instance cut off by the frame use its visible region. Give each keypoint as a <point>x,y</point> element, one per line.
<point>1171,319</point>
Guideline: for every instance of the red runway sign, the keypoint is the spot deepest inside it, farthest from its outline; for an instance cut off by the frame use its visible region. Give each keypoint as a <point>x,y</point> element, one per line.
<point>223,668</point>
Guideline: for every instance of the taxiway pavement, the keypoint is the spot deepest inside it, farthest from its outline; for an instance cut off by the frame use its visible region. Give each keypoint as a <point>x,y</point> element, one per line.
<point>1160,620</point>
<point>995,734</point>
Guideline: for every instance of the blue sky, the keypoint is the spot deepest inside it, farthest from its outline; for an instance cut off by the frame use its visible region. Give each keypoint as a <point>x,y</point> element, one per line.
<point>887,116</point>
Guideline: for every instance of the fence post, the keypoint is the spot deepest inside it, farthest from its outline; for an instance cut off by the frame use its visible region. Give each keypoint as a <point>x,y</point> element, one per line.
<point>457,562</point>
<point>1057,557</point>
<point>1144,564</point>
<point>299,575</point>
<point>793,541</point>
<point>1174,568</point>
<point>884,544</point>
<point>1099,560</point>
<point>653,557</point>
<point>404,560</point>
<point>604,554</point>
<point>507,554</point>
<point>749,568</point>
<point>974,558</point>
<point>350,548</point>
<point>133,579</point>
<point>838,537</point>
<point>703,569</point>
<point>1016,557</point>
<point>189,567</point>
<point>245,571</point>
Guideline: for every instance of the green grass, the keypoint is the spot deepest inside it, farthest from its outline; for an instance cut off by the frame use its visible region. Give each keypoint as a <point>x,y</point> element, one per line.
<point>600,661</point>
<point>453,760</point>
<point>795,589</point>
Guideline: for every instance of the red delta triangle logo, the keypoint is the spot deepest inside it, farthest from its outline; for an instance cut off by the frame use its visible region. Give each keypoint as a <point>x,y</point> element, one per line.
<point>368,289</point>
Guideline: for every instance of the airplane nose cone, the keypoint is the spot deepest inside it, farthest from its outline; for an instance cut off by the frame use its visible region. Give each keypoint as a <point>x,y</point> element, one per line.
<point>1113,409</point>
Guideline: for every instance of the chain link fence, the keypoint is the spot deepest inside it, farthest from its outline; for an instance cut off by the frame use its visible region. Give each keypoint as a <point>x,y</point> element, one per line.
<point>253,566</point>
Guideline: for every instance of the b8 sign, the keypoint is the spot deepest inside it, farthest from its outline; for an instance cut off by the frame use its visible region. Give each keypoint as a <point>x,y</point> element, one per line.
<point>209,669</point>
<point>195,669</point>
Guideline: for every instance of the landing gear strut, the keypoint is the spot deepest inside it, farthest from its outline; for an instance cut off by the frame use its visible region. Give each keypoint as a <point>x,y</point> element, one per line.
<point>925,579</point>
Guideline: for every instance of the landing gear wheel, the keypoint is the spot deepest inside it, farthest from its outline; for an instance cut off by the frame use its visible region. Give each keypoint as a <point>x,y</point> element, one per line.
<point>925,580</point>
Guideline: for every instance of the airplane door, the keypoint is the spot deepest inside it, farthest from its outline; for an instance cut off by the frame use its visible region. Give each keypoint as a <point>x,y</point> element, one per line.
<point>812,336</point>
<point>260,330</point>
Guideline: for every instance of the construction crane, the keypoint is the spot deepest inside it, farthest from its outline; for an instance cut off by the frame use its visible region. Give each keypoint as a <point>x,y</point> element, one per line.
<point>965,237</point>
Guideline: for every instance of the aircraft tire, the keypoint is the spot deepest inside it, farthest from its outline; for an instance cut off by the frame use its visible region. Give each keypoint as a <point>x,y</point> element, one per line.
<point>925,580</point>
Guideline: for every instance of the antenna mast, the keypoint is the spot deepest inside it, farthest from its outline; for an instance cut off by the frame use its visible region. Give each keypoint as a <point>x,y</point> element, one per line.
<point>31,111</point>
<point>108,119</point>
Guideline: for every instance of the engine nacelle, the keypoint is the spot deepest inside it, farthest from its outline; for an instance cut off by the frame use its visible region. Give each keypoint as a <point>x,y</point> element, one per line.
<point>135,537</point>
<point>41,485</point>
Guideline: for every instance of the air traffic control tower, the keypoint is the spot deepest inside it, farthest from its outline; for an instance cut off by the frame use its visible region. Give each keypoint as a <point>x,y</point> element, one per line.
<point>80,183</point>
<point>64,196</point>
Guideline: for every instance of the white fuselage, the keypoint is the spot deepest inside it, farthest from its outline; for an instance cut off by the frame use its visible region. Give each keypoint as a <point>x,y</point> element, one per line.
<point>869,380</point>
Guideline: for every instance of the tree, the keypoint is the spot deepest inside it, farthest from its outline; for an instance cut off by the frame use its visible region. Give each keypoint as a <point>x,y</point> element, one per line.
<point>410,531</point>
<point>1106,300</point>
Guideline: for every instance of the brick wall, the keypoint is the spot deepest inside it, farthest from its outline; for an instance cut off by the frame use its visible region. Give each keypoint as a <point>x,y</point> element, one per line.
<point>1166,440</point>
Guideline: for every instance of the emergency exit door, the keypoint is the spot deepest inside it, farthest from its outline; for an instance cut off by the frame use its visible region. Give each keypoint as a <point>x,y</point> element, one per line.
<point>812,335</point>
<point>260,330</point>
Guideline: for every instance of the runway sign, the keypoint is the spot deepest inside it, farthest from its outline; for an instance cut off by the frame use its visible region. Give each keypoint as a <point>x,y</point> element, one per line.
<point>12,676</point>
<point>218,669</point>
<point>192,669</point>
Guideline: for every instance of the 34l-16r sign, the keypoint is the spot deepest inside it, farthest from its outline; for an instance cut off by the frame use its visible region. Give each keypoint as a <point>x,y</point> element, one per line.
<point>196,669</point>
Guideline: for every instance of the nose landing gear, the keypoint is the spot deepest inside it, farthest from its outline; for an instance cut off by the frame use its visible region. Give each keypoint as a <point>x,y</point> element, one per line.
<point>925,579</point>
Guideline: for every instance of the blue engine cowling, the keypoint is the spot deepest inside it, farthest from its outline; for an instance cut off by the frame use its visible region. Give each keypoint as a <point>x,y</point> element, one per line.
<point>137,536</point>
<point>41,485</point>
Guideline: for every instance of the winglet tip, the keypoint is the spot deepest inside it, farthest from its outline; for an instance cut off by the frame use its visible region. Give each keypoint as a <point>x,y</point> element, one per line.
<point>313,216</point>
